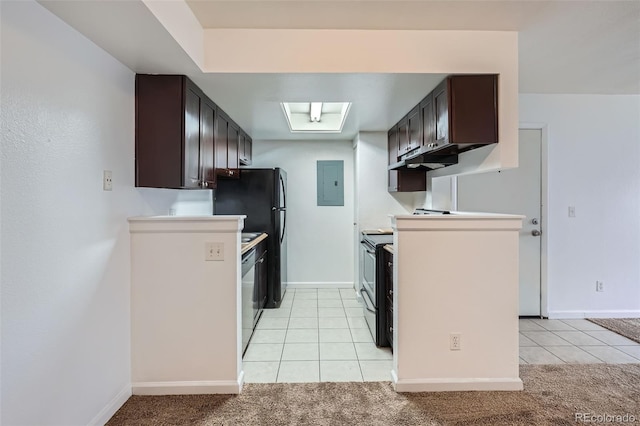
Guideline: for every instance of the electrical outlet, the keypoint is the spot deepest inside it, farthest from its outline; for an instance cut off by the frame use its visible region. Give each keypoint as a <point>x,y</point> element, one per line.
<point>572,211</point>
<point>455,341</point>
<point>599,286</point>
<point>107,180</point>
<point>214,251</point>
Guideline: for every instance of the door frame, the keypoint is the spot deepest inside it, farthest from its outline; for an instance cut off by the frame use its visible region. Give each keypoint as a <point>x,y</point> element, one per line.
<point>544,209</point>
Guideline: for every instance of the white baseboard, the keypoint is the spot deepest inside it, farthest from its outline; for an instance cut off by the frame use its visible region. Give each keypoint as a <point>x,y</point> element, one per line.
<point>455,384</point>
<point>188,388</point>
<point>323,285</point>
<point>593,314</point>
<point>110,409</point>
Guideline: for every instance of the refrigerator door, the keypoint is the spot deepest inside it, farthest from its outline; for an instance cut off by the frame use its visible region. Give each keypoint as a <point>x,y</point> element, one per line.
<point>252,194</point>
<point>260,194</point>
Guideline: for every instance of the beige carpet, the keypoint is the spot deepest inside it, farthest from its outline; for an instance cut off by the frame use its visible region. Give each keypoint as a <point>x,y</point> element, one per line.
<point>552,396</point>
<point>628,327</point>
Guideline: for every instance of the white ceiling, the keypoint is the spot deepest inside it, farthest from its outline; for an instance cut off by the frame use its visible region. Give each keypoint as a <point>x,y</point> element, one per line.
<point>565,47</point>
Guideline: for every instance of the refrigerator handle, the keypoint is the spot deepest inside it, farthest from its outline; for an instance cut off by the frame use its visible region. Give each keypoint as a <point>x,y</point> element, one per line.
<point>283,208</point>
<point>284,226</point>
<point>284,193</point>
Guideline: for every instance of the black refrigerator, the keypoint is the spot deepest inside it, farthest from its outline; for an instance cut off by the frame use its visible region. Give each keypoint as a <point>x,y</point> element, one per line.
<point>260,194</point>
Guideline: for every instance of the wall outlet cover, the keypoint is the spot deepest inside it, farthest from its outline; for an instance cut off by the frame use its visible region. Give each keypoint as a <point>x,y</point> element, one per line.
<point>107,180</point>
<point>455,341</point>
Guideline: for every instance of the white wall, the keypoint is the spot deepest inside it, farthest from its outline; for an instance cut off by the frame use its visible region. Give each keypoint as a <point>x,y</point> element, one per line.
<point>594,165</point>
<point>320,245</point>
<point>67,114</point>
<point>374,203</point>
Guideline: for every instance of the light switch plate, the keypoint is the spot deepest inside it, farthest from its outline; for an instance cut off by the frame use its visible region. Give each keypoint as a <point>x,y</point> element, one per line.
<point>214,251</point>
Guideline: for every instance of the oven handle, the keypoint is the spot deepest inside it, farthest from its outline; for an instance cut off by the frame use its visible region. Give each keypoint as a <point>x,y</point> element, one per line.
<point>368,248</point>
<point>364,298</point>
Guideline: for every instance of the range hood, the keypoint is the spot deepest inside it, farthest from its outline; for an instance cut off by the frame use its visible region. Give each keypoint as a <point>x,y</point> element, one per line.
<point>427,159</point>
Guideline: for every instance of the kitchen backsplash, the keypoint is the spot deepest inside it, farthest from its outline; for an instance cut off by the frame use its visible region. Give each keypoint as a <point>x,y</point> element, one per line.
<point>176,202</point>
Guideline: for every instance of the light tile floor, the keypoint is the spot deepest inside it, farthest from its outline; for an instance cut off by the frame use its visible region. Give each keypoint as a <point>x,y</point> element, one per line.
<point>320,335</point>
<point>575,341</point>
<point>317,335</point>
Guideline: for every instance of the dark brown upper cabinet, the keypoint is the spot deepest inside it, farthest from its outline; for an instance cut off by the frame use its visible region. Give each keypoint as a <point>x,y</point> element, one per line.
<point>174,133</point>
<point>245,145</point>
<point>220,141</point>
<point>392,146</point>
<point>466,111</point>
<point>232,149</point>
<point>403,136</point>
<point>207,146</point>
<point>413,129</point>
<point>226,146</point>
<point>460,114</point>
<point>428,116</point>
<point>183,140</point>
<point>402,180</point>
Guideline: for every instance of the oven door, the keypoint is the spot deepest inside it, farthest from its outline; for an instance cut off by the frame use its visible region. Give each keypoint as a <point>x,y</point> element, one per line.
<point>370,314</point>
<point>368,268</point>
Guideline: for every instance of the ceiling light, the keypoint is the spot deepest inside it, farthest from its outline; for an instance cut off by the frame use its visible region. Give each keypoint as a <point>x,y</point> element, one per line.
<point>315,117</point>
<point>315,111</point>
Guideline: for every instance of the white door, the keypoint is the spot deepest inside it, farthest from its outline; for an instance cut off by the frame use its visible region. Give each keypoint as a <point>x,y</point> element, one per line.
<point>514,191</point>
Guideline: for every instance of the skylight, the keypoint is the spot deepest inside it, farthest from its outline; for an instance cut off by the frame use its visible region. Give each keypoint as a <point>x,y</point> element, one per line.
<point>316,117</point>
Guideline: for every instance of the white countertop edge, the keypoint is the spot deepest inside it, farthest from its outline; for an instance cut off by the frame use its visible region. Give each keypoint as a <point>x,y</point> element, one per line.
<point>460,216</point>
<point>203,218</point>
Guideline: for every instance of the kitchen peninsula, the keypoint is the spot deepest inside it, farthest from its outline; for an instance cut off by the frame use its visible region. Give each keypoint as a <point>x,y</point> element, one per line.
<point>456,302</point>
<point>186,304</point>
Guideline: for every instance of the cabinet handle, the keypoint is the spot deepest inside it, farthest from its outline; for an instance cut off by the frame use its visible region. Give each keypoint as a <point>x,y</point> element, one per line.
<point>390,265</point>
<point>390,292</point>
<point>391,329</point>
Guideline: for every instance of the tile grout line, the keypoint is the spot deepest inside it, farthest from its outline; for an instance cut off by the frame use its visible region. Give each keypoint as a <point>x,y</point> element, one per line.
<point>285,336</point>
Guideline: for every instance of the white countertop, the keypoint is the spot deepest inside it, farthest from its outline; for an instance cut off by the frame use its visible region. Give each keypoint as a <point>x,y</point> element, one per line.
<point>457,215</point>
<point>186,218</point>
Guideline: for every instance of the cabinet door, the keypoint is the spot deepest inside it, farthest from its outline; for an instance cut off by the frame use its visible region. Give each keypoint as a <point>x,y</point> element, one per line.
<point>403,136</point>
<point>392,146</point>
<point>192,176</point>
<point>160,131</point>
<point>411,180</point>
<point>428,120</point>
<point>232,149</point>
<point>388,284</point>
<point>242,159</point>
<point>220,143</point>
<point>473,106</point>
<point>441,108</point>
<point>207,125</point>
<point>413,126</point>
<point>248,150</point>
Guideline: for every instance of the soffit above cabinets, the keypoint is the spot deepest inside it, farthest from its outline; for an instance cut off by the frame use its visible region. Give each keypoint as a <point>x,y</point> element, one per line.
<point>582,47</point>
<point>564,47</point>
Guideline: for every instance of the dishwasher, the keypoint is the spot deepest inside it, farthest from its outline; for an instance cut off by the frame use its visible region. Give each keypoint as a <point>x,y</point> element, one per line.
<point>251,293</point>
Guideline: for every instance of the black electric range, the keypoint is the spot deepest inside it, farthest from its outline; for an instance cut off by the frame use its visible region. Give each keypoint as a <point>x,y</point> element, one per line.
<point>372,284</point>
